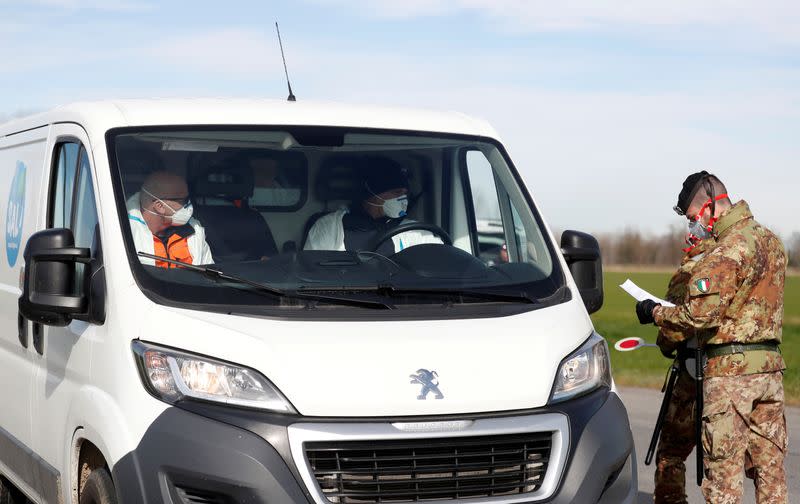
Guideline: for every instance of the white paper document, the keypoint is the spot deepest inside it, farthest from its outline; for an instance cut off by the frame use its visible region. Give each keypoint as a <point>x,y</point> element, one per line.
<point>640,294</point>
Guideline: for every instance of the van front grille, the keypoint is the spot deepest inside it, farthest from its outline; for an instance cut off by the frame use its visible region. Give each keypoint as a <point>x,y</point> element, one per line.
<point>429,469</point>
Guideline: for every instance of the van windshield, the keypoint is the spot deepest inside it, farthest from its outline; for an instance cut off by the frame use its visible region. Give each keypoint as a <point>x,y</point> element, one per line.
<point>329,217</point>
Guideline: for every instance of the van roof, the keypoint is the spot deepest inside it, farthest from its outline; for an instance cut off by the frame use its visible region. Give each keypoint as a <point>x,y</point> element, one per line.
<point>100,116</point>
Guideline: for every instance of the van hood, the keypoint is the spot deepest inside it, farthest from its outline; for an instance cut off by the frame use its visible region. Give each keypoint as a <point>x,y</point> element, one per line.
<point>380,368</point>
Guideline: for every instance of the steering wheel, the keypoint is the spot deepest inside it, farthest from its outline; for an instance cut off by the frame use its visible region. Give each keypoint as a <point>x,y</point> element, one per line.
<point>408,226</point>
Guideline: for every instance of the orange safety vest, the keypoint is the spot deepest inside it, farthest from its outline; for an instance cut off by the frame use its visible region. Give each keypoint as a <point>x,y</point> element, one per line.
<point>175,247</point>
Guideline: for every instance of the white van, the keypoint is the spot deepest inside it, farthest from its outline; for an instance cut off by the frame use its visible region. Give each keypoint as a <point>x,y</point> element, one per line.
<point>303,337</point>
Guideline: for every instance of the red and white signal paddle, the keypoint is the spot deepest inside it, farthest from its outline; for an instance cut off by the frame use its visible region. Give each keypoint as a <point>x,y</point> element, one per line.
<point>632,343</point>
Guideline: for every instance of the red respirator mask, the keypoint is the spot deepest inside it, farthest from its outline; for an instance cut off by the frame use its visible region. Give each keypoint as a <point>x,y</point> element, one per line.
<point>697,230</point>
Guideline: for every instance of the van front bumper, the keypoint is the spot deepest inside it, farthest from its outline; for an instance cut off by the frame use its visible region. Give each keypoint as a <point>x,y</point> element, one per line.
<point>205,453</point>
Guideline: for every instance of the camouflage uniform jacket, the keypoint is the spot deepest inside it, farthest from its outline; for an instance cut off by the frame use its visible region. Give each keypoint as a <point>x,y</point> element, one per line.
<point>736,293</point>
<point>669,338</point>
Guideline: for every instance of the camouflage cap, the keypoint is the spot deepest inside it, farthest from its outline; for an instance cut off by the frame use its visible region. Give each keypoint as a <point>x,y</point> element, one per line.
<point>689,189</point>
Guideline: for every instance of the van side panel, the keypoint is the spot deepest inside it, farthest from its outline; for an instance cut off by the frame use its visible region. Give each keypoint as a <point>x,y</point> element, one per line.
<point>23,157</point>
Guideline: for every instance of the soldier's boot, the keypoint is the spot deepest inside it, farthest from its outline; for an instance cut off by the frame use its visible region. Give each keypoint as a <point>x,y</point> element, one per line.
<point>670,480</point>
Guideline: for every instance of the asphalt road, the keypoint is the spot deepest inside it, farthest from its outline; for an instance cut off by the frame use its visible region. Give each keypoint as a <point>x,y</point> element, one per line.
<point>643,405</point>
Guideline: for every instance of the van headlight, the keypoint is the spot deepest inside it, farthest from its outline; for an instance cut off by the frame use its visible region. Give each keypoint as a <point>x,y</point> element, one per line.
<point>172,375</point>
<point>586,369</point>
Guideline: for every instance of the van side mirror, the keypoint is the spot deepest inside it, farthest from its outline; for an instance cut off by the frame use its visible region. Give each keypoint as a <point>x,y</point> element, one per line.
<point>49,295</point>
<point>582,253</point>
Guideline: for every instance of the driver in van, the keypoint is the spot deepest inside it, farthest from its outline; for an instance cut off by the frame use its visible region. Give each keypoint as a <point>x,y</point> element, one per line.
<point>382,206</point>
<point>160,215</point>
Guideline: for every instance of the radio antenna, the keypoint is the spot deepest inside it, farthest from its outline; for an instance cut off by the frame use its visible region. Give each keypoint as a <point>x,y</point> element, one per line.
<point>289,84</point>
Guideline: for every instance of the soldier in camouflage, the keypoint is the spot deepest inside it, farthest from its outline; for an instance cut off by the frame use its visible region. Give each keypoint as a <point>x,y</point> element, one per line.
<point>677,438</point>
<point>677,432</point>
<point>735,308</point>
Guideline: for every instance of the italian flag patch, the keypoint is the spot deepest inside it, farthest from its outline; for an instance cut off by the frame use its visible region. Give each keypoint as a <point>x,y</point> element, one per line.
<point>703,285</point>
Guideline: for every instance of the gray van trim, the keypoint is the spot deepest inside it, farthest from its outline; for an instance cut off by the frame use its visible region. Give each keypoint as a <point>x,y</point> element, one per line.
<point>29,467</point>
<point>245,456</point>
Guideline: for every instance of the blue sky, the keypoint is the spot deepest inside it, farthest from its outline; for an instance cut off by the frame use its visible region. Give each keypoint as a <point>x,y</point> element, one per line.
<point>605,105</point>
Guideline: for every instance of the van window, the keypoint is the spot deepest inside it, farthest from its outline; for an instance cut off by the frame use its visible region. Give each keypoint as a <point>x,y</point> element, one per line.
<point>486,204</point>
<point>73,205</point>
<point>394,218</point>
<point>63,185</point>
<point>84,221</point>
<point>500,229</point>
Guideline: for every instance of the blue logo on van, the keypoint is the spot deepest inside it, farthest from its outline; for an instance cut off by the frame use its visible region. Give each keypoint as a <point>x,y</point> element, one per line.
<point>15,214</point>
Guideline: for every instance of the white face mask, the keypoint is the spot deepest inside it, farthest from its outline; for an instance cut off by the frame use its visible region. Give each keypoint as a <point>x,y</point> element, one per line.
<point>179,217</point>
<point>183,215</point>
<point>396,207</point>
<point>393,208</point>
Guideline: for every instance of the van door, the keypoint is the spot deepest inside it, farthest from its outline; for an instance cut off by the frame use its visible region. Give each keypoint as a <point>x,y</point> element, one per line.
<point>63,365</point>
<point>21,160</point>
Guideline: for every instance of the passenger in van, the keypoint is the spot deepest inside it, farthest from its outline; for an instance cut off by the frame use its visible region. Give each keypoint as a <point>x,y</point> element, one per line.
<point>160,215</point>
<point>382,205</point>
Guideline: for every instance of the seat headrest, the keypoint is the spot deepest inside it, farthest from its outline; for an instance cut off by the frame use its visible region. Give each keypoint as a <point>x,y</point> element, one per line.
<point>339,178</point>
<point>220,181</point>
<point>135,164</point>
<point>139,161</point>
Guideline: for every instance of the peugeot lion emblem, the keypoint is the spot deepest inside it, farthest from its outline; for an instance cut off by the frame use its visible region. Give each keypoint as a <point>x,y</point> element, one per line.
<point>430,383</point>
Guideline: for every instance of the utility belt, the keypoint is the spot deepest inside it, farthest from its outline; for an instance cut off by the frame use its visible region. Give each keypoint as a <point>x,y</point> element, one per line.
<point>687,354</point>
<point>735,348</point>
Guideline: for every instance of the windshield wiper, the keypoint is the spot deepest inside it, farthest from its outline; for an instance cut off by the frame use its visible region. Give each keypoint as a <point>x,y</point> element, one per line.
<point>391,290</point>
<point>219,275</point>
<point>501,297</point>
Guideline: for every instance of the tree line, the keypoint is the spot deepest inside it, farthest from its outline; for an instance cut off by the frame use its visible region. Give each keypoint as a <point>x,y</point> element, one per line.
<point>631,246</point>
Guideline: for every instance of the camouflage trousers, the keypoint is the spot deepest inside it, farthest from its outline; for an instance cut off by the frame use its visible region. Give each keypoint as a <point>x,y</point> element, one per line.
<point>675,443</point>
<point>742,413</point>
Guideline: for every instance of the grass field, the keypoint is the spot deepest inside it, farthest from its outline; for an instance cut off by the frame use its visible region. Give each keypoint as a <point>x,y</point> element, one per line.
<point>647,367</point>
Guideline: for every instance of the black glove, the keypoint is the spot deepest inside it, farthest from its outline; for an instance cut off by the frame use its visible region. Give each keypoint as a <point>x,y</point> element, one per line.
<point>644,310</point>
